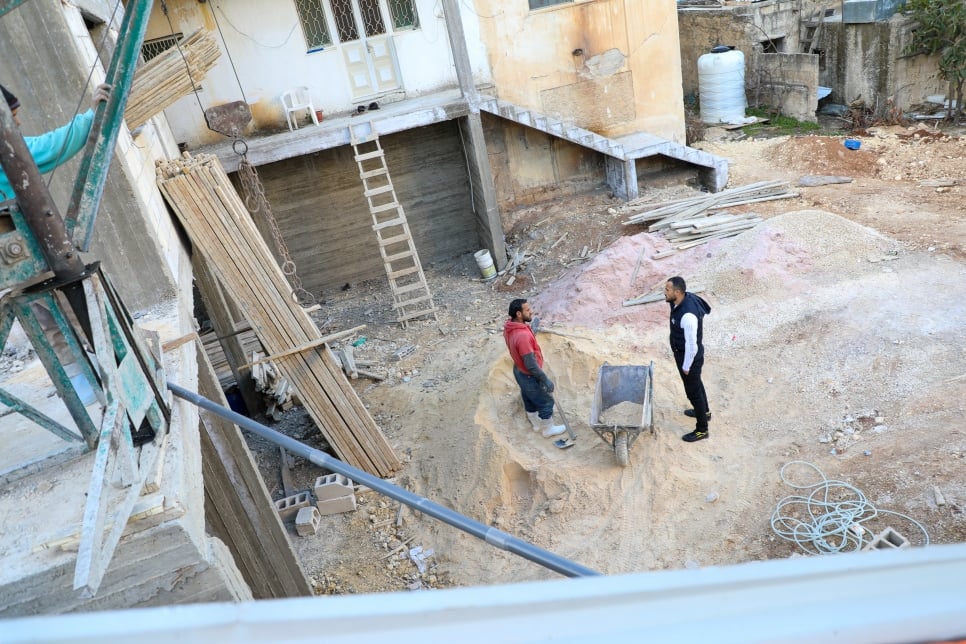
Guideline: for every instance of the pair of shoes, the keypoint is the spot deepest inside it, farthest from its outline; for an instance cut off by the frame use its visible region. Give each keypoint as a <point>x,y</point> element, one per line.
<point>690,413</point>
<point>694,436</point>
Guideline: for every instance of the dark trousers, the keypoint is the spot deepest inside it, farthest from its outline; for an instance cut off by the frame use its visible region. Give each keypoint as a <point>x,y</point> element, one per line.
<point>535,397</point>
<point>694,388</point>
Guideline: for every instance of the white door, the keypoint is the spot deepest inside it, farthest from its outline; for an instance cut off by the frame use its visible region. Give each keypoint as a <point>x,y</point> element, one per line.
<point>366,47</point>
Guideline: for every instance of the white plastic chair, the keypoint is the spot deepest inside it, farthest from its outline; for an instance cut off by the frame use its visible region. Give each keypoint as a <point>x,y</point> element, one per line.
<point>295,100</point>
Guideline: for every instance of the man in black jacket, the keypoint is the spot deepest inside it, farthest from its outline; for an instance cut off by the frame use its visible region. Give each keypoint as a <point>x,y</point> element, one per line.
<point>687,326</point>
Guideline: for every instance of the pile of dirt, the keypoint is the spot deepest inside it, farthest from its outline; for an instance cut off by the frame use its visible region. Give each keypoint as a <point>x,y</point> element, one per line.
<point>824,155</point>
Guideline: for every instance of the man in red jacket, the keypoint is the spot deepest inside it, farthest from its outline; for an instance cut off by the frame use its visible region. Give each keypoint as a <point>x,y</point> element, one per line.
<point>535,386</point>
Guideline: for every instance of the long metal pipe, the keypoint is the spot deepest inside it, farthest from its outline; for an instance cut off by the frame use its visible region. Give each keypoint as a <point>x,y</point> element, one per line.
<point>108,117</point>
<point>36,204</point>
<point>492,536</point>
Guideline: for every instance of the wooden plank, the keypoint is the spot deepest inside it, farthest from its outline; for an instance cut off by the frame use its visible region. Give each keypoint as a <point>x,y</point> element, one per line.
<point>241,510</point>
<point>307,345</point>
<point>220,228</point>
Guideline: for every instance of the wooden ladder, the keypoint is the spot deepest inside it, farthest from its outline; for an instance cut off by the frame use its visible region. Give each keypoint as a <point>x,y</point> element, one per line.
<point>410,292</point>
<point>811,29</point>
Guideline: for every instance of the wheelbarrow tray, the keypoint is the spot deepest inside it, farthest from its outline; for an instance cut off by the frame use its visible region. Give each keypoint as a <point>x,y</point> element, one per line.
<point>617,384</point>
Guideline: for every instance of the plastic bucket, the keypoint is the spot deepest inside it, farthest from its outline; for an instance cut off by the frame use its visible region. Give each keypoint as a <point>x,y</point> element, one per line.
<point>853,144</point>
<point>485,262</point>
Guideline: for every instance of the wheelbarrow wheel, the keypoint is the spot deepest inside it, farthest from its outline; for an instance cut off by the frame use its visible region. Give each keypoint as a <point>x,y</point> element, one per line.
<point>620,448</point>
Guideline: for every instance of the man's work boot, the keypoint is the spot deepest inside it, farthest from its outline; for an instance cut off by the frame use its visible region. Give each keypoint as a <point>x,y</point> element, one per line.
<point>534,418</point>
<point>548,429</point>
<point>690,413</point>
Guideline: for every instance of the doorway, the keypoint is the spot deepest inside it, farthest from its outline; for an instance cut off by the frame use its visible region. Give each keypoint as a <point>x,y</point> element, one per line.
<point>367,48</point>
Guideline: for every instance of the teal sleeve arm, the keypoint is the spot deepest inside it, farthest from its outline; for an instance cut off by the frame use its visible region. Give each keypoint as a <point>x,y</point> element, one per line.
<point>53,148</point>
<point>57,146</point>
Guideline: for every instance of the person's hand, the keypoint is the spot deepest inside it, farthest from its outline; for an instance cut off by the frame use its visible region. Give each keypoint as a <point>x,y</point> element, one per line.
<point>548,385</point>
<point>101,93</point>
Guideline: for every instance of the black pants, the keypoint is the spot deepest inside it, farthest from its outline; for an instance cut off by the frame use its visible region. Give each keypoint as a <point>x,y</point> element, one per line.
<point>694,388</point>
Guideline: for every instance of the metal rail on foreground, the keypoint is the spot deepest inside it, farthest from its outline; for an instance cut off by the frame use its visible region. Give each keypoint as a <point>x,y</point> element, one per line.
<point>490,535</point>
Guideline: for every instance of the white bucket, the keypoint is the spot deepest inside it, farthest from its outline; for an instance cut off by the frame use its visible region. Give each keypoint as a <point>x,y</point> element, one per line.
<point>485,262</point>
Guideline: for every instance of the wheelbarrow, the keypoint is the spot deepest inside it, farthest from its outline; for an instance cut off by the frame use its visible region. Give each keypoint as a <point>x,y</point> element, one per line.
<point>631,384</point>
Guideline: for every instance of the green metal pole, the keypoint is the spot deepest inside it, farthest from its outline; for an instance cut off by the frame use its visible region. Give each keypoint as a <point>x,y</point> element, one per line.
<point>89,185</point>
<point>9,5</point>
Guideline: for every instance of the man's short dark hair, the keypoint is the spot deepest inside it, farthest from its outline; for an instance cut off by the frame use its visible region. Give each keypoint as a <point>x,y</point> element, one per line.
<point>678,283</point>
<point>515,307</point>
<point>12,101</point>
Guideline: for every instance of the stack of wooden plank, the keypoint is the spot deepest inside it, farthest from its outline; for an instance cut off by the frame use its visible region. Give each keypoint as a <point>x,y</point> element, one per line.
<point>169,76</point>
<point>694,232</point>
<point>685,222</point>
<point>220,227</point>
<point>663,214</point>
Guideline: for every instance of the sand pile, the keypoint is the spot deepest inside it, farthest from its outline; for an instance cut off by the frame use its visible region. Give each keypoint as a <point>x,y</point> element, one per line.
<point>792,252</point>
<point>788,253</point>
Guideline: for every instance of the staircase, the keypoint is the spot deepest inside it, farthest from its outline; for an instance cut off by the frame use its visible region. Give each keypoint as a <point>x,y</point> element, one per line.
<point>410,292</point>
<point>622,151</point>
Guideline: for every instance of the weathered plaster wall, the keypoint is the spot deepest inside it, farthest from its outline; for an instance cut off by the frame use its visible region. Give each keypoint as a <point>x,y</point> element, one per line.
<point>318,203</point>
<point>266,43</point>
<point>607,65</point>
<point>530,166</point>
<point>743,27</point>
<point>872,60</point>
<point>787,82</point>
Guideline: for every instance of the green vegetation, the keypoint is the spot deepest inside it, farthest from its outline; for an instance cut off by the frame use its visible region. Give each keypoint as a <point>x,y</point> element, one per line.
<point>778,124</point>
<point>942,31</point>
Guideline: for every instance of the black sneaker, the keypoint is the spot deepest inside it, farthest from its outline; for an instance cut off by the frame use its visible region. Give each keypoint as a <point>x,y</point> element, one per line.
<point>694,436</point>
<point>690,413</point>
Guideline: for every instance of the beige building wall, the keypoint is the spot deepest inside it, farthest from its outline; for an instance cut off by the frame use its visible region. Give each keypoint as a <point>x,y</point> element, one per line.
<point>610,66</point>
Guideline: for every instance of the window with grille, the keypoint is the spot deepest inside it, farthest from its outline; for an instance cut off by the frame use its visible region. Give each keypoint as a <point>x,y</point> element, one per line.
<point>403,13</point>
<point>314,27</point>
<point>157,46</point>
<point>540,4</point>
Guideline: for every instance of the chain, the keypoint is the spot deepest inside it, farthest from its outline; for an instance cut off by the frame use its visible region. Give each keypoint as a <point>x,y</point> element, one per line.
<point>256,202</point>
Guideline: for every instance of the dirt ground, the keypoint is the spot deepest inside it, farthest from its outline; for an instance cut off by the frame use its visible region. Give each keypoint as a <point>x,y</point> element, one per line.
<point>836,338</point>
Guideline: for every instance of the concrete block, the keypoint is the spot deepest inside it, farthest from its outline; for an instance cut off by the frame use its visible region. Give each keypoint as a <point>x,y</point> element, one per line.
<point>307,521</point>
<point>888,539</point>
<point>337,505</point>
<point>290,505</point>
<point>332,486</point>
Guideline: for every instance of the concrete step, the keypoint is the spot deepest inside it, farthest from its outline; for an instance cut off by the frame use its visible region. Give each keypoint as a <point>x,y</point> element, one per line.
<point>625,149</point>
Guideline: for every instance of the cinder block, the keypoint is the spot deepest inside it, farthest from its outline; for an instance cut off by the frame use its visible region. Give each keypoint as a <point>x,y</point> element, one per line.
<point>332,486</point>
<point>337,505</point>
<point>888,539</point>
<point>307,521</point>
<point>290,505</point>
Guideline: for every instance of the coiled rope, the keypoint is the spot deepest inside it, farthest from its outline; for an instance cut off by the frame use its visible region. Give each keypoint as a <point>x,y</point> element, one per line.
<point>829,519</point>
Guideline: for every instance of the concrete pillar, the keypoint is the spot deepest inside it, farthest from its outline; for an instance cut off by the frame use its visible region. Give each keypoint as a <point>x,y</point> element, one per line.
<point>483,192</point>
<point>622,177</point>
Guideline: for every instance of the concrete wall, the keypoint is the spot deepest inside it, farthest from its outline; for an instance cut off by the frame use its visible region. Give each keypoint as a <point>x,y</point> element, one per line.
<point>743,27</point>
<point>318,203</point>
<point>872,61</point>
<point>624,79</point>
<point>787,82</point>
<point>265,42</point>
<point>530,166</point>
